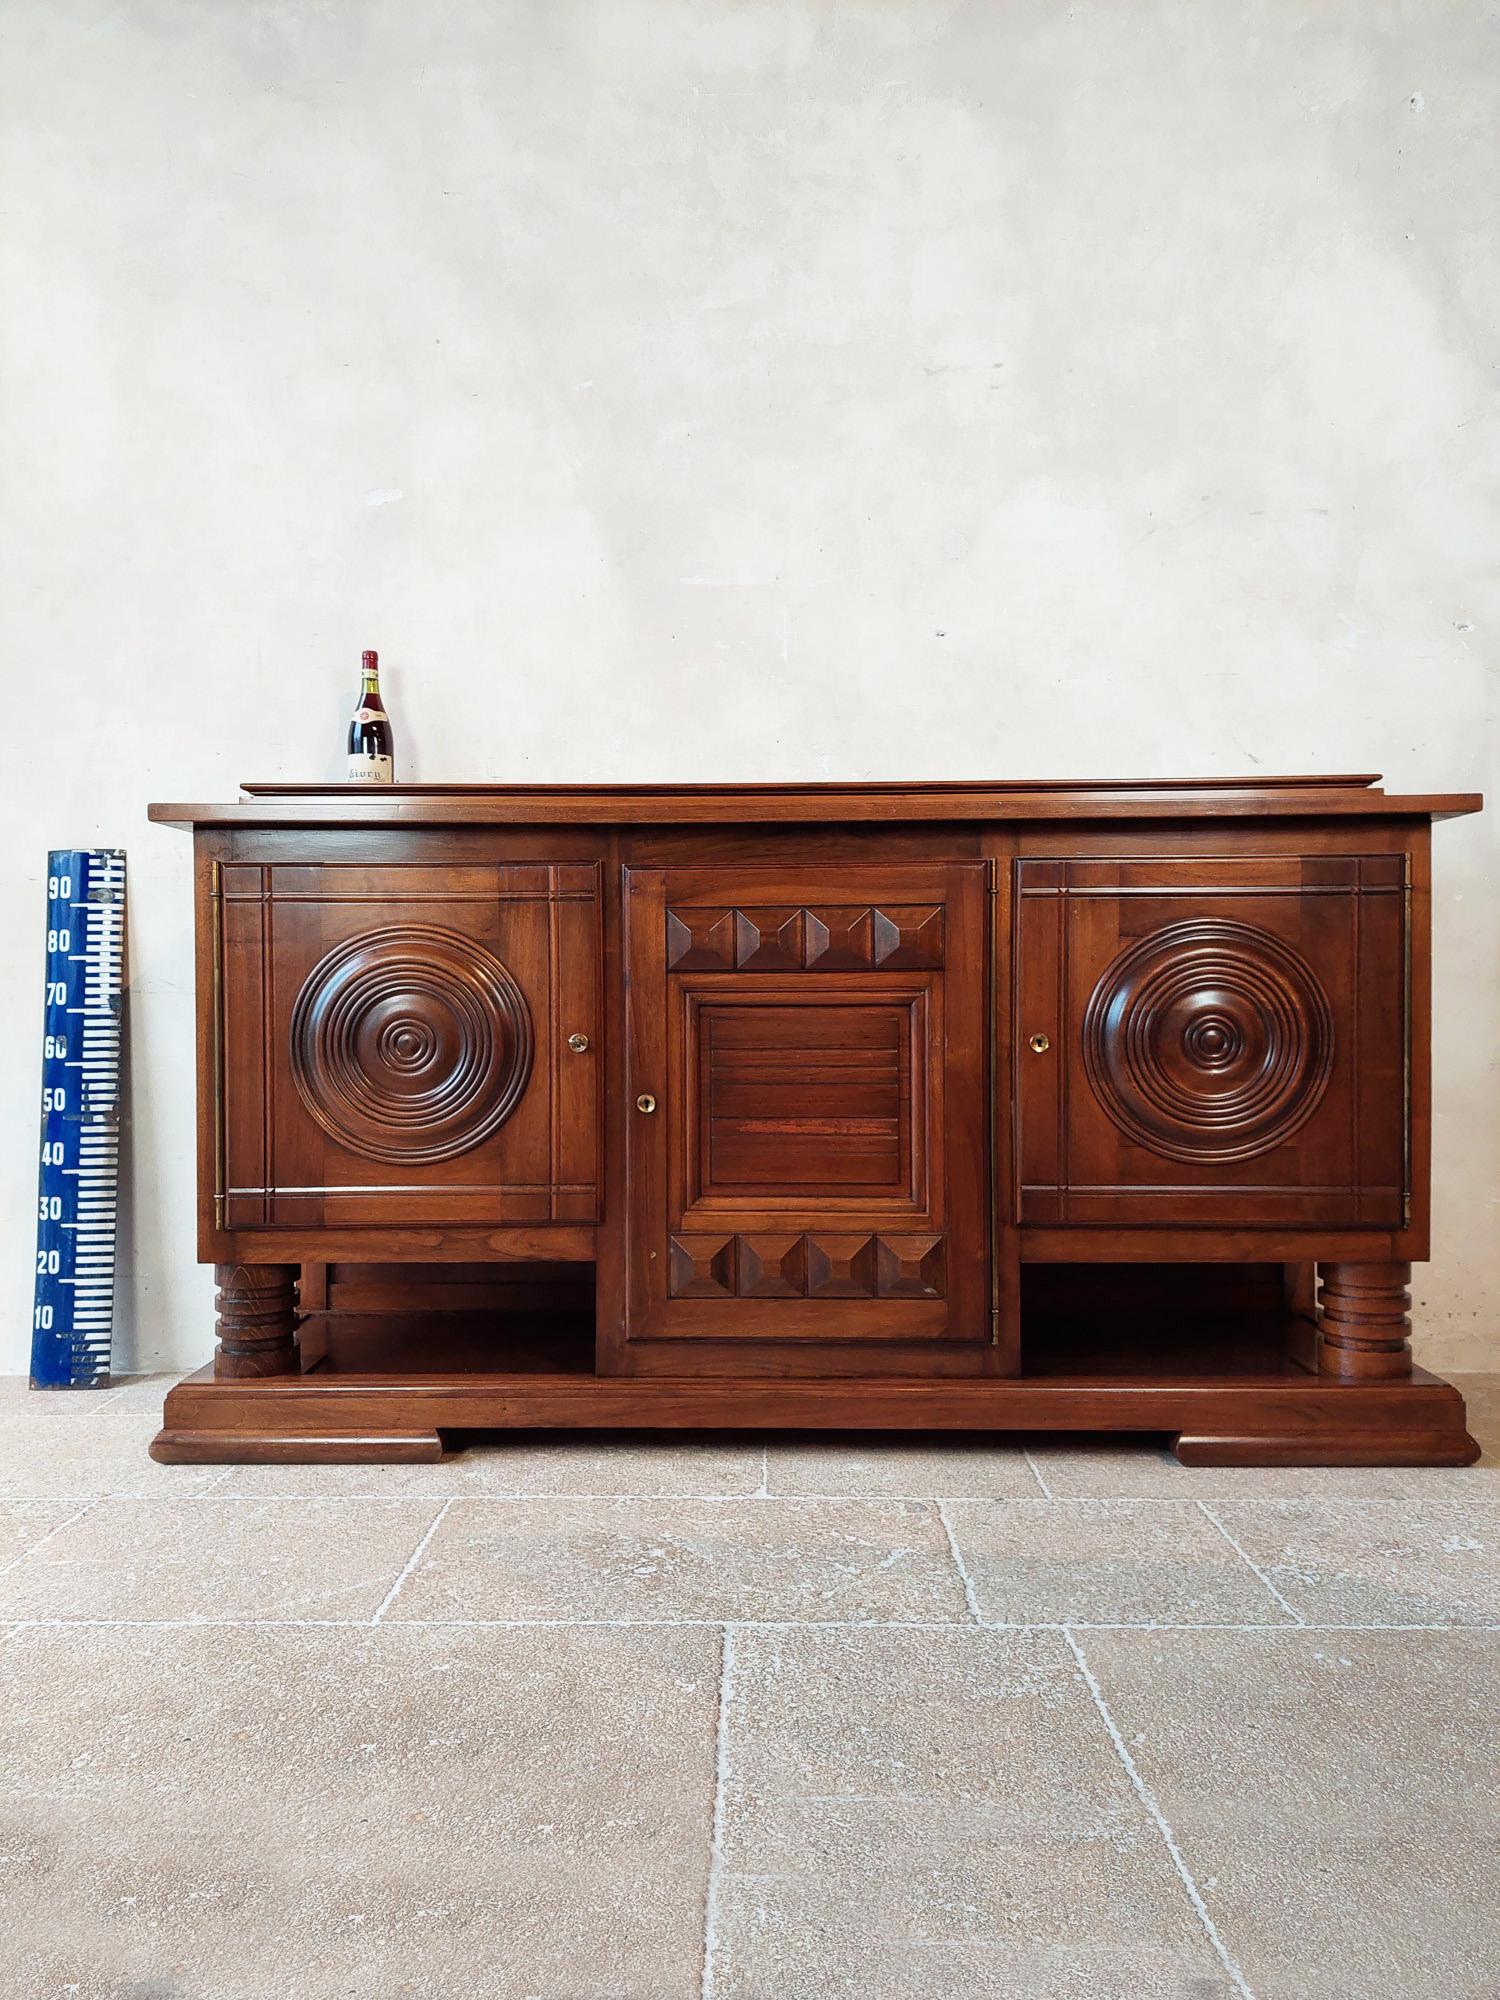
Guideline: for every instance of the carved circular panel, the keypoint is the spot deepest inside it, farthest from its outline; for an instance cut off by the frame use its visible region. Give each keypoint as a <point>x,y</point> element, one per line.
<point>410,1044</point>
<point>1208,1041</point>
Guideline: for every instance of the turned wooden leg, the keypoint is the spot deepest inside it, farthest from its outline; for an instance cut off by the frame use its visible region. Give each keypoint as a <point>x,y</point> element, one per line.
<point>257,1319</point>
<point>1365,1325</point>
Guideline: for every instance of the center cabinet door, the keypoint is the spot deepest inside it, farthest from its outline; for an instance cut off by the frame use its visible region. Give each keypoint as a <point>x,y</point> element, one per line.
<point>807,1114</point>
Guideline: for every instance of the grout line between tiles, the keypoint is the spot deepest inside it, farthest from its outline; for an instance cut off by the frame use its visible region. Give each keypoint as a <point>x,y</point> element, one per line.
<point>765,1471</point>
<point>1036,1473</point>
<point>951,1626</point>
<point>411,1562</point>
<point>41,1543</point>
<point>288,1494</point>
<point>301,1496</point>
<point>716,1842</point>
<point>1290,1609</point>
<point>958,1563</point>
<point>1148,1799</point>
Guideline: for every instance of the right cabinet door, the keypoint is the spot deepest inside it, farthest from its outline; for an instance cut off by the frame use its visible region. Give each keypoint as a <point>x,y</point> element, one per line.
<point>1212,1041</point>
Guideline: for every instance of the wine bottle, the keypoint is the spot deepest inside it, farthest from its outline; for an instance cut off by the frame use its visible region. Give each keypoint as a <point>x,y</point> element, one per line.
<point>372,746</point>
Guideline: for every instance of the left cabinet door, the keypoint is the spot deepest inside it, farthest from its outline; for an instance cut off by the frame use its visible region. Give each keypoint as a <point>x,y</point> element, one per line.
<point>392,1043</point>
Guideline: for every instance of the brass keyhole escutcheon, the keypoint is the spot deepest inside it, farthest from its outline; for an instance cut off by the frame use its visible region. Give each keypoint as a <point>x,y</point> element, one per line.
<point>645,1102</point>
<point>578,1043</point>
<point>1039,1045</point>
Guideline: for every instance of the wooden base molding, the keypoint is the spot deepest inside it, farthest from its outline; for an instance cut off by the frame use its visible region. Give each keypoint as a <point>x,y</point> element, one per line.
<point>389,1388</point>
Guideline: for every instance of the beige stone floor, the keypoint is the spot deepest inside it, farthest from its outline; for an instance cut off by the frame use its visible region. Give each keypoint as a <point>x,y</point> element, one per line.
<point>580,1720</point>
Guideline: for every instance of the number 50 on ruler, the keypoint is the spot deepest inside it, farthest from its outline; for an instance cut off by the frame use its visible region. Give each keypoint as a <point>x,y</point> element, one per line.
<point>78,1182</point>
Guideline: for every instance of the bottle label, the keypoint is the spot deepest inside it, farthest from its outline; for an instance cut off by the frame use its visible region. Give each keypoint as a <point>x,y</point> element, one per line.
<point>364,713</point>
<point>371,770</point>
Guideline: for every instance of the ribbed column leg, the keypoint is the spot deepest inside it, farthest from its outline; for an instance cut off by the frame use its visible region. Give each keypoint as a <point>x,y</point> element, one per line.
<point>1365,1323</point>
<point>256,1308</point>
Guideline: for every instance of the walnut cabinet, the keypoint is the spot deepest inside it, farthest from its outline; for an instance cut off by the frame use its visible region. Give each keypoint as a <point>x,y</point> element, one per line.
<point>965,1107</point>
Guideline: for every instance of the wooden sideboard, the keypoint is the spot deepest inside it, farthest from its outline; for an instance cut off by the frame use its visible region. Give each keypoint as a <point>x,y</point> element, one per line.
<point>995,1107</point>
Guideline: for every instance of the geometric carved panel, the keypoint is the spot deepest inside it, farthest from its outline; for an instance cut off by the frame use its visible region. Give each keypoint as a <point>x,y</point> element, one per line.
<point>829,938</point>
<point>805,1266</point>
<point>410,1043</point>
<point>1208,1040</point>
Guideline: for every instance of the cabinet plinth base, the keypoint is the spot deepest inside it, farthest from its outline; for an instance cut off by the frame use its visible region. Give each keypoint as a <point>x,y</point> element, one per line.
<point>387,1390</point>
<point>1401,1443</point>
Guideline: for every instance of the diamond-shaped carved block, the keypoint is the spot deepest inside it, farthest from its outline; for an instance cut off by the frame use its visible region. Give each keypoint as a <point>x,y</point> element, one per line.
<point>842,1267</point>
<point>768,940</point>
<point>771,1267</point>
<point>911,1267</point>
<point>701,940</point>
<point>840,940</point>
<point>908,937</point>
<point>701,1267</point>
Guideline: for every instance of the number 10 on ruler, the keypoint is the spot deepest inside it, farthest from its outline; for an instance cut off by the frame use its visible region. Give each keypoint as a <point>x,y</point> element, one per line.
<point>78,1178</point>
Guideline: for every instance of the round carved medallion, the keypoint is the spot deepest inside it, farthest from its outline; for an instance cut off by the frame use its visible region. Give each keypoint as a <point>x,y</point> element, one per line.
<point>1210,1040</point>
<point>410,1044</point>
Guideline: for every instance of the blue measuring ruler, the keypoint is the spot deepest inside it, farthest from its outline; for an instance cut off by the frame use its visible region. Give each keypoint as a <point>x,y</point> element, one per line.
<point>78,1185</point>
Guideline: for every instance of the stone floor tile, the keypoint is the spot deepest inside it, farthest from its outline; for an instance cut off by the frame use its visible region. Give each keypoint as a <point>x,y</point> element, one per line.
<point>1481,1394</point>
<point>1133,1562</point>
<point>209,1558</point>
<point>18,1398</point>
<point>907,1815</point>
<point>43,1454</point>
<point>1120,1469</point>
<point>524,1464</point>
<point>311,1812</point>
<point>670,1559</point>
<point>1131,1470</point>
<point>902,1467</point>
<point>24,1522</point>
<point>145,1393</point>
<point>1332,1795</point>
<point>1376,1562</point>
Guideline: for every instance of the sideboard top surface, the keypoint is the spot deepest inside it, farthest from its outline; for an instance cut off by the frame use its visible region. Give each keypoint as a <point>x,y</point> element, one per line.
<point>1312,797</point>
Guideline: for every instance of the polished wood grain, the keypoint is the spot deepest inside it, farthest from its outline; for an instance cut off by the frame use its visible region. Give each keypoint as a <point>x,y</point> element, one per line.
<point>898,804</point>
<point>919,1106</point>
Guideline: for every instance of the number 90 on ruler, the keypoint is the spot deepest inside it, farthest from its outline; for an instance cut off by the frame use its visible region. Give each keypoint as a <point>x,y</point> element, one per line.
<point>79,1151</point>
